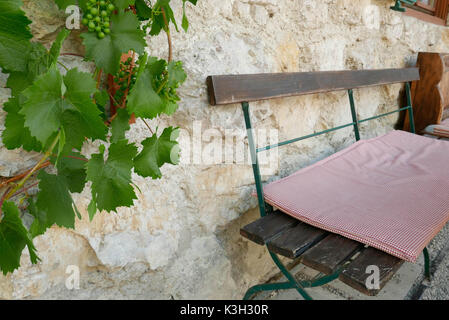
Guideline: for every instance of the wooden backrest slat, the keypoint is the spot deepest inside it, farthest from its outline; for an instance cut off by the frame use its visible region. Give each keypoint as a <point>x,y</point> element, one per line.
<point>228,89</point>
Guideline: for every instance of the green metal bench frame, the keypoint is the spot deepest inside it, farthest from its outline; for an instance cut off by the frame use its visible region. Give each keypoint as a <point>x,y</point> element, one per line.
<point>232,89</point>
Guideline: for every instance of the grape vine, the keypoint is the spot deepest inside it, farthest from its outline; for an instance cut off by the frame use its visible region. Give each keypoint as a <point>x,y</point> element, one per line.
<point>54,110</point>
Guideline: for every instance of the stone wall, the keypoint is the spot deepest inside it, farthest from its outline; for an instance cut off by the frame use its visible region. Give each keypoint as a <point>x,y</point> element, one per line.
<point>181,239</point>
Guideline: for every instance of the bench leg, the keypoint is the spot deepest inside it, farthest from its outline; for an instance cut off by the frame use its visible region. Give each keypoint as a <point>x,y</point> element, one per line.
<point>267,287</point>
<point>427,263</point>
<point>292,283</point>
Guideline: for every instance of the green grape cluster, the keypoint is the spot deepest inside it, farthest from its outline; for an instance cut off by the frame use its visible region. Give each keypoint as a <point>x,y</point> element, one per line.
<point>97,16</point>
<point>169,91</point>
<point>126,69</point>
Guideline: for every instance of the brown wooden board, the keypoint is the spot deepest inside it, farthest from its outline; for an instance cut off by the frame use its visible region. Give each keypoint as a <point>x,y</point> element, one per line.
<point>294,241</point>
<point>263,229</point>
<point>355,274</point>
<point>331,253</point>
<point>228,89</point>
<point>430,95</point>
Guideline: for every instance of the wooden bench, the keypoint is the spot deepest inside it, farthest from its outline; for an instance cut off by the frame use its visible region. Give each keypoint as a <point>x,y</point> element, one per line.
<point>335,257</point>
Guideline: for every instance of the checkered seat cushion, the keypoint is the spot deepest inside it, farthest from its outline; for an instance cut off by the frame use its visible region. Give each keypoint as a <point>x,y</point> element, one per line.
<point>391,193</point>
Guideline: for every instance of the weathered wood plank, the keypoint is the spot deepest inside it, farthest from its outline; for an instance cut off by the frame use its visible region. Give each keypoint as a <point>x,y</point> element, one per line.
<point>228,89</point>
<point>430,95</point>
<point>295,241</point>
<point>355,274</point>
<point>330,253</point>
<point>263,229</point>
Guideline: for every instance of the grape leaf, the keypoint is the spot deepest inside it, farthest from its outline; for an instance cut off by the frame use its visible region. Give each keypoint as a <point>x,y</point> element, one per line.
<point>158,23</point>
<point>123,4</point>
<point>120,125</point>
<point>80,89</point>
<point>72,166</point>
<point>57,45</point>
<point>101,97</point>
<point>74,130</point>
<point>13,239</point>
<point>125,35</point>
<point>43,105</point>
<point>40,223</point>
<point>39,60</point>
<point>185,21</point>
<point>142,10</point>
<point>16,135</point>
<point>157,152</point>
<point>55,200</point>
<point>111,179</point>
<point>15,36</point>
<point>47,105</point>
<point>176,74</point>
<point>143,99</point>
<point>36,65</point>
<point>155,89</point>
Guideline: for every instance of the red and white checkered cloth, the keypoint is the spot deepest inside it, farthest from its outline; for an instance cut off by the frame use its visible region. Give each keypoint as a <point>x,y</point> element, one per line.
<point>391,193</point>
<point>441,129</point>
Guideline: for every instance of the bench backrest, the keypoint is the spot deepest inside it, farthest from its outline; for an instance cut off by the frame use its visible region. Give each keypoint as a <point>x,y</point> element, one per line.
<point>229,89</point>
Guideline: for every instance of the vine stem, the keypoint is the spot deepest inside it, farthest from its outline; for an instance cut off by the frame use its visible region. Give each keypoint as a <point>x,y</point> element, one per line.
<point>148,126</point>
<point>44,165</point>
<point>16,178</point>
<point>30,173</point>
<point>25,189</point>
<point>162,86</point>
<point>170,44</point>
<point>99,78</point>
<point>63,65</point>
<point>131,68</point>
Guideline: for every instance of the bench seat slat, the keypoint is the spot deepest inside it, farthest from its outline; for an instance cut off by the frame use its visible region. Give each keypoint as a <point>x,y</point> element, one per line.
<point>295,241</point>
<point>331,253</point>
<point>355,274</point>
<point>264,229</point>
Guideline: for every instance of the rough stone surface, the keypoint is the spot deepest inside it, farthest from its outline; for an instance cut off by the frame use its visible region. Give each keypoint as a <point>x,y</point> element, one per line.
<point>181,239</point>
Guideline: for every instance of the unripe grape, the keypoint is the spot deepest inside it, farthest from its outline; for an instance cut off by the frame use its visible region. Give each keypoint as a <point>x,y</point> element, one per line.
<point>89,16</point>
<point>107,31</point>
<point>106,24</point>
<point>98,29</point>
<point>104,13</point>
<point>102,3</point>
<point>97,19</point>
<point>94,11</point>
<point>93,1</point>
<point>85,21</point>
<point>101,35</point>
<point>91,25</point>
<point>111,7</point>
